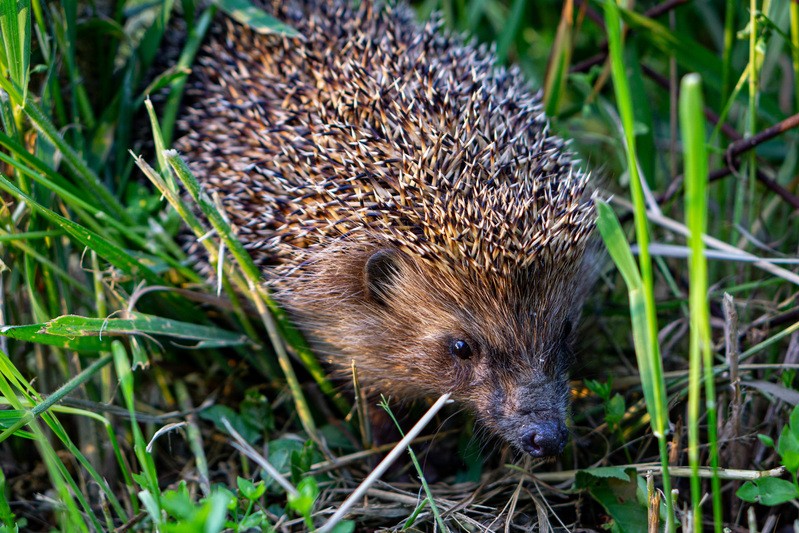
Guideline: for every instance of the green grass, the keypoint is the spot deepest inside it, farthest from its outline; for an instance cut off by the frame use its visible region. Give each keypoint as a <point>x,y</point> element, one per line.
<point>137,395</point>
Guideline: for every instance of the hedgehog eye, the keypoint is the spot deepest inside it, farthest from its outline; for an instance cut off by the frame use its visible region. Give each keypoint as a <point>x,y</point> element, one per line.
<point>460,349</point>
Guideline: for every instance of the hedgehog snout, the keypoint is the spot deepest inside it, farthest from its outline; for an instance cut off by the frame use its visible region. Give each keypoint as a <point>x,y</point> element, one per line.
<point>544,439</point>
<point>532,416</point>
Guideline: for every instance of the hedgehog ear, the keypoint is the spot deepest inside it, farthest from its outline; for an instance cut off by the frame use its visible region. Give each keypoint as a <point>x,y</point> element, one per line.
<point>380,273</point>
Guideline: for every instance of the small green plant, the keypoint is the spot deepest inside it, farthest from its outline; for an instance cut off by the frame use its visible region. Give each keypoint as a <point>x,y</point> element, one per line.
<point>613,403</point>
<point>253,421</point>
<point>221,509</point>
<point>302,503</point>
<point>773,490</point>
<point>8,522</point>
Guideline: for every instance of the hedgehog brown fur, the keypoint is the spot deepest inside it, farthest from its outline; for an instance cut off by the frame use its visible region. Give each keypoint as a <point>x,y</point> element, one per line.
<point>406,202</point>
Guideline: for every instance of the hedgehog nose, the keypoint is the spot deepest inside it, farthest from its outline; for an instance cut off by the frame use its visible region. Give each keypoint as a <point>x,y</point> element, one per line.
<point>543,439</point>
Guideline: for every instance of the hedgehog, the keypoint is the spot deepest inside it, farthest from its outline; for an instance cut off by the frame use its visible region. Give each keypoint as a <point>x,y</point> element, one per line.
<point>406,202</point>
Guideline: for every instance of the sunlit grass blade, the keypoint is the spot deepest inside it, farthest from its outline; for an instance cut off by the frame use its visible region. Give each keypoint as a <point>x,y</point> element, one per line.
<point>40,408</point>
<point>15,27</point>
<point>255,18</point>
<point>692,124</point>
<point>55,397</point>
<point>652,384</point>
<point>622,256</point>
<point>33,333</point>
<point>795,51</point>
<point>253,277</point>
<point>85,176</point>
<point>657,408</point>
<point>430,499</point>
<point>148,478</point>
<point>170,110</point>
<point>139,323</point>
<point>200,230</point>
<point>559,60</point>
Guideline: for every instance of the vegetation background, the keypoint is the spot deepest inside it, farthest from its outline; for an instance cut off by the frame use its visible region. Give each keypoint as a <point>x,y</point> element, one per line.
<point>138,397</point>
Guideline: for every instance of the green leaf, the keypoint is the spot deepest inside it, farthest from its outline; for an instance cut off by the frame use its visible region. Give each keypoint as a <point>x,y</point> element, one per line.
<point>256,411</point>
<point>216,413</point>
<point>7,517</point>
<point>599,388</point>
<point>139,323</point>
<point>788,448</point>
<point>615,409</point>
<point>214,512</point>
<point>150,503</point>
<point>617,490</point>
<point>307,491</point>
<point>33,333</point>
<point>178,503</point>
<point>586,477</point>
<point>766,440</point>
<point>618,248</point>
<point>249,490</point>
<point>9,417</point>
<point>15,27</point>
<point>768,491</point>
<point>254,17</point>
<point>280,452</point>
<point>642,112</point>
<point>337,438</point>
<point>254,521</point>
<point>345,526</point>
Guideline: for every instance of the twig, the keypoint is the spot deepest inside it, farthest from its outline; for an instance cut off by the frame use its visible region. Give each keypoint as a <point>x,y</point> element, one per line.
<point>675,471</point>
<point>673,250</point>
<point>244,447</point>
<point>657,218</point>
<point>744,145</point>
<point>384,465</point>
<point>740,146</point>
<point>732,353</point>
<point>592,14</point>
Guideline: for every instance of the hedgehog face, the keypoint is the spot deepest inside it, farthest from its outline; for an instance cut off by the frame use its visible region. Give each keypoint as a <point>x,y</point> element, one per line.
<point>499,345</point>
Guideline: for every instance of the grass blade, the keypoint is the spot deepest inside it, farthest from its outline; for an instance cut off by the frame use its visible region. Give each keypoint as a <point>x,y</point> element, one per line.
<point>559,60</point>
<point>253,277</point>
<point>15,26</point>
<point>692,122</point>
<point>255,18</point>
<point>658,408</point>
<point>109,251</point>
<point>139,323</point>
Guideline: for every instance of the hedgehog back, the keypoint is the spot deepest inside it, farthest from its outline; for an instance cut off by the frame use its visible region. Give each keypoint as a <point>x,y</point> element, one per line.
<point>372,128</point>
